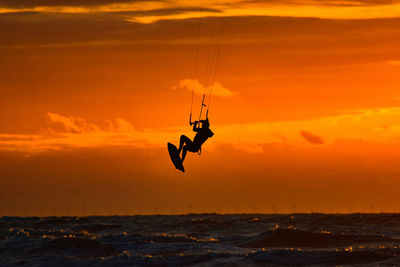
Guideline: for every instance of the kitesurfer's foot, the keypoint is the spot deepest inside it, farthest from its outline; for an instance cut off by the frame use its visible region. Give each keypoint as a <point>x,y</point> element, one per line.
<point>180,167</point>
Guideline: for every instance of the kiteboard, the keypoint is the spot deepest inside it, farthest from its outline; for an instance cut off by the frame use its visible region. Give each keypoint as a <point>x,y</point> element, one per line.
<point>176,160</point>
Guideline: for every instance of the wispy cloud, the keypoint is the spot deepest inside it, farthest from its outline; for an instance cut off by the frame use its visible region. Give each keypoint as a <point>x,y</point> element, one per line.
<point>49,3</point>
<point>148,11</point>
<point>73,125</point>
<point>192,84</point>
<point>312,138</point>
<point>65,132</point>
<point>344,3</point>
<point>88,3</point>
<point>373,125</point>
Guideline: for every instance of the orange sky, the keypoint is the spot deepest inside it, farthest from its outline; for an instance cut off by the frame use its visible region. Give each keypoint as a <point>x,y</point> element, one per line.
<point>305,110</point>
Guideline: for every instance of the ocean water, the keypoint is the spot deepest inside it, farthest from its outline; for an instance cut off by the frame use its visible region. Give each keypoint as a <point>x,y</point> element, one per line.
<point>202,240</point>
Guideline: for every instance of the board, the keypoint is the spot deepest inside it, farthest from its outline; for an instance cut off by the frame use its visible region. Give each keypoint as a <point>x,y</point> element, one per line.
<point>174,155</point>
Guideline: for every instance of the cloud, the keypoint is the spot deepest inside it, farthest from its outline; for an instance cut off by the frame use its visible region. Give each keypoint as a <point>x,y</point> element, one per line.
<point>349,9</point>
<point>58,3</point>
<point>67,132</point>
<point>140,11</point>
<point>110,29</point>
<point>343,3</point>
<point>73,125</point>
<point>311,138</point>
<point>192,84</point>
<point>79,125</point>
<point>173,13</point>
<point>89,3</point>
<point>362,125</point>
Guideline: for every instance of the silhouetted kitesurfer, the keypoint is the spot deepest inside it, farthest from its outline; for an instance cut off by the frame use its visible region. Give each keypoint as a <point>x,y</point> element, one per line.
<point>201,127</point>
<point>203,132</point>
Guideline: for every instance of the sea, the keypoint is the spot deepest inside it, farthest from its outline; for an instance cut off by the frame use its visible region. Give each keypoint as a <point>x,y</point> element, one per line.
<point>202,240</point>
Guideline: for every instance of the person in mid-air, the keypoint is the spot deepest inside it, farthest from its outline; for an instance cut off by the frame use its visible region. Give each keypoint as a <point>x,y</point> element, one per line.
<point>203,132</point>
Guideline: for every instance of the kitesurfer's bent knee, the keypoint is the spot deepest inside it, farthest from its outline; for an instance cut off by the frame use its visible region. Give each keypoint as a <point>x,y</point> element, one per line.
<point>185,144</point>
<point>186,148</point>
<point>184,141</point>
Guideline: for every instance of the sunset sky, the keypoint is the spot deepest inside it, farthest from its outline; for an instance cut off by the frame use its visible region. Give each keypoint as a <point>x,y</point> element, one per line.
<point>305,106</point>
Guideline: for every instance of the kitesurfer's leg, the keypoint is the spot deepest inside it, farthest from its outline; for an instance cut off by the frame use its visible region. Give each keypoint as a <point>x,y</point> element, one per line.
<point>184,139</point>
<point>184,151</point>
<point>190,146</point>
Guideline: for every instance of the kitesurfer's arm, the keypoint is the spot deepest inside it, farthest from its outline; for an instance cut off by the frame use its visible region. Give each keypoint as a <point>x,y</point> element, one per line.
<point>195,129</point>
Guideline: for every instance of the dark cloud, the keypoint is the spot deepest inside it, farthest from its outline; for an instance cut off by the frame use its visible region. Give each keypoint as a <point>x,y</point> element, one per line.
<point>47,28</point>
<point>92,3</point>
<point>343,3</point>
<point>57,3</point>
<point>311,138</point>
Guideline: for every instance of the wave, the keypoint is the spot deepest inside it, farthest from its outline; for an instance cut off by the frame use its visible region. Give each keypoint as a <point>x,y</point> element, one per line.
<point>94,228</point>
<point>297,238</point>
<point>294,257</point>
<point>203,239</point>
<point>76,247</point>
